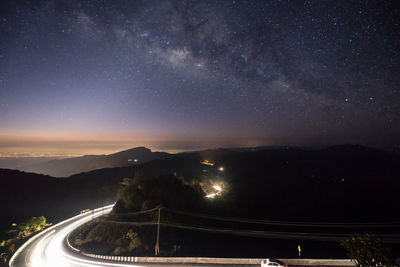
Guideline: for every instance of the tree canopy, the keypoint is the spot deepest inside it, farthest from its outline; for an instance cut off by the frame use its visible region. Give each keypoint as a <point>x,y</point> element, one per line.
<point>31,225</point>
<point>142,193</point>
<point>367,250</point>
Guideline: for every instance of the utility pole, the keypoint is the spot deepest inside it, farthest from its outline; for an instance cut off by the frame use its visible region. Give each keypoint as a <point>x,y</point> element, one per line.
<point>157,247</point>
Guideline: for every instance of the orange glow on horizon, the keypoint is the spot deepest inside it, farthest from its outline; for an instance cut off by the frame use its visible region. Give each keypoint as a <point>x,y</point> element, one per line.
<point>79,145</point>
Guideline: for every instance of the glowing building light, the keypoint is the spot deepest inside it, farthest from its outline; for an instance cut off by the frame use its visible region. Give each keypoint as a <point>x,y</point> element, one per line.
<point>218,191</point>
<point>207,162</point>
<point>218,188</point>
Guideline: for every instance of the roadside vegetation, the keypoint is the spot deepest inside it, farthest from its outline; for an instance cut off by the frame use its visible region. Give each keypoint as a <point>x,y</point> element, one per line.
<point>18,234</point>
<point>367,250</point>
<point>129,229</point>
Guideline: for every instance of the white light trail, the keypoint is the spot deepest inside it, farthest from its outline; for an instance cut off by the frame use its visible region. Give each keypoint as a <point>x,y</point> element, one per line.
<point>47,249</point>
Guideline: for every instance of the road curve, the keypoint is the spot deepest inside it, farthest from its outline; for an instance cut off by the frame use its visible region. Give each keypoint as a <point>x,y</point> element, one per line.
<point>50,248</point>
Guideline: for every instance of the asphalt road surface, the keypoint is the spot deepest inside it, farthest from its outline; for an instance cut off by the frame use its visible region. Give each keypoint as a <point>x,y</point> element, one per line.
<point>51,249</point>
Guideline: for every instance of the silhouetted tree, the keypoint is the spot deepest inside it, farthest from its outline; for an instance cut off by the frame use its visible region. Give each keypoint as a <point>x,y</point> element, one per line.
<point>367,250</point>
<point>141,193</point>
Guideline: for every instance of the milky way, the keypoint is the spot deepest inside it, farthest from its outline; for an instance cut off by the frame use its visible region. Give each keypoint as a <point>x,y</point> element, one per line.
<point>236,72</point>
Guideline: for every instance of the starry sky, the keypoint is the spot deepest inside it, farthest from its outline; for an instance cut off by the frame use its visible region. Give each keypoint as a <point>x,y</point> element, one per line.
<point>96,76</point>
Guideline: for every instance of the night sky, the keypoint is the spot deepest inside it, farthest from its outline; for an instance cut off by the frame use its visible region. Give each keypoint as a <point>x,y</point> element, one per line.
<point>95,76</point>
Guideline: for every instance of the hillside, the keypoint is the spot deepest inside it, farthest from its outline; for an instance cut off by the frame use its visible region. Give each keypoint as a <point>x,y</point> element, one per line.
<point>337,183</point>
<point>69,166</point>
<point>28,194</point>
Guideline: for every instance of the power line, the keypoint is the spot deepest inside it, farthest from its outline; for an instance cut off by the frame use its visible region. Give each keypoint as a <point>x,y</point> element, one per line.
<point>390,238</point>
<point>288,223</point>
<point>393,238</point>
<point>273,222</point>
<point>135,213</point>
<point>130,223</point>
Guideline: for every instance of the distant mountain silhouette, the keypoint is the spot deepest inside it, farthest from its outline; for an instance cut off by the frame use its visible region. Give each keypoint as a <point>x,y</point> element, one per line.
<point>19,163</point>
<point>69,166</point>
<point>29,194</point>
<point>344,183</point>
<point>337,183</point>
<point>350,148</point>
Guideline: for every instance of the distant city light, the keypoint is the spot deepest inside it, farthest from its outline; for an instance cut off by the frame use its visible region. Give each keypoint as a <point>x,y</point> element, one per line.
<point>221,169</point>
<point>135,160</point>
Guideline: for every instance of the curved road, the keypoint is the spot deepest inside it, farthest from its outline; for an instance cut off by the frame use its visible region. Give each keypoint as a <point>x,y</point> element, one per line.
<point>51,249</point>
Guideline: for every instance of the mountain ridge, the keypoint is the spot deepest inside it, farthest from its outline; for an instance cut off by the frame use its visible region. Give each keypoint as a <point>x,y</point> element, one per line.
<point>69,166</point>
<point>337,185</point>
<point>66,167</point>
